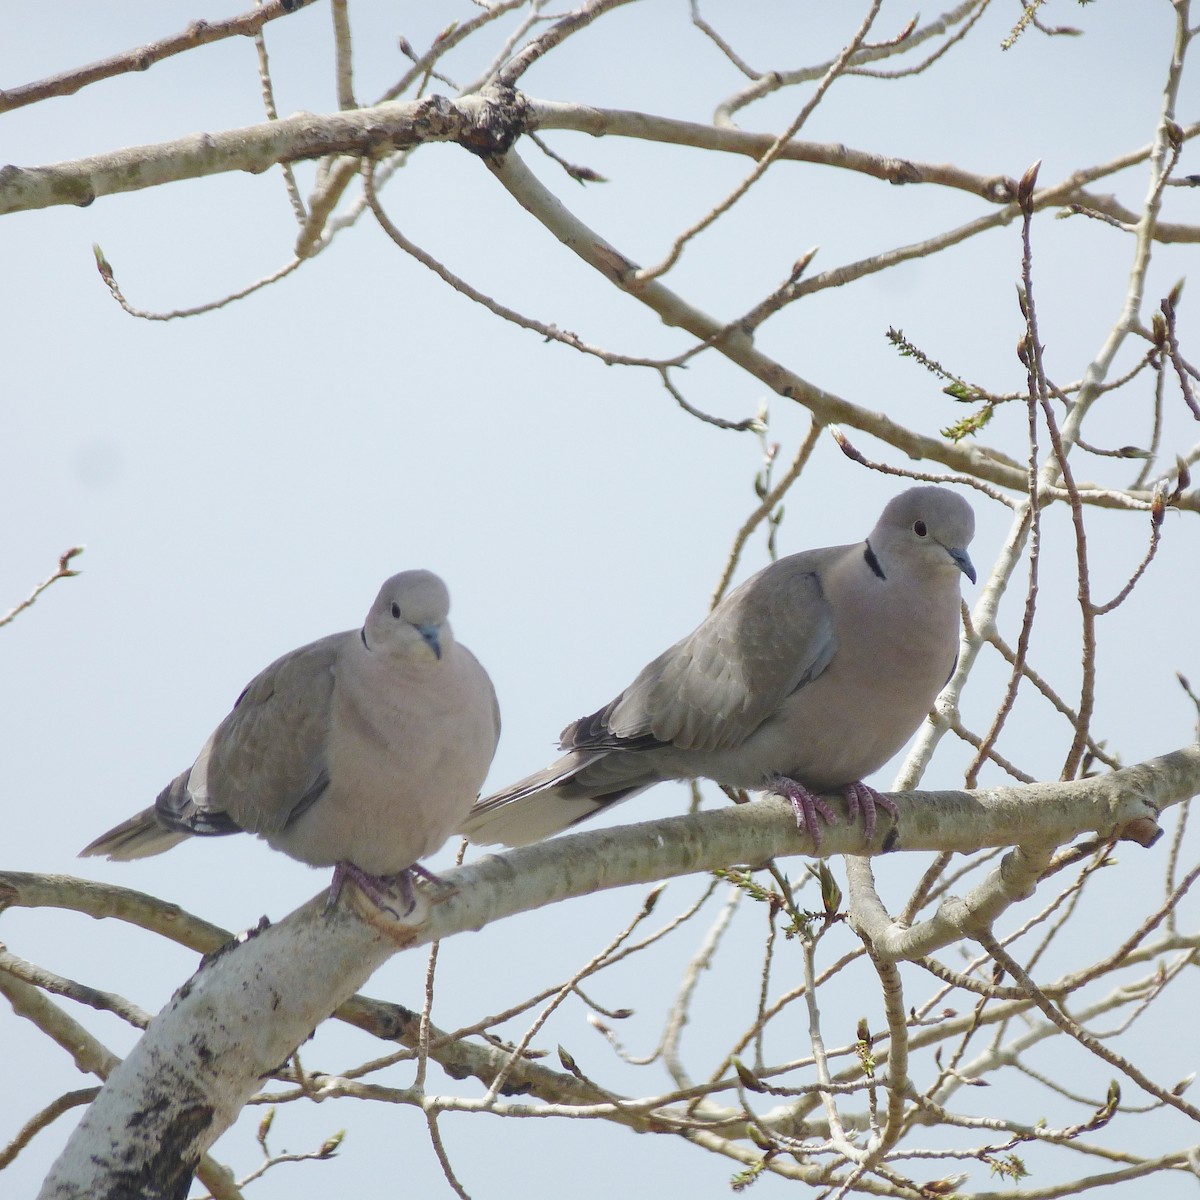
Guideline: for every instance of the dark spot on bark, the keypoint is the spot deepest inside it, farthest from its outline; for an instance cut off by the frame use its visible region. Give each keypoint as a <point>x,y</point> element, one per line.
<point>164,1170</point>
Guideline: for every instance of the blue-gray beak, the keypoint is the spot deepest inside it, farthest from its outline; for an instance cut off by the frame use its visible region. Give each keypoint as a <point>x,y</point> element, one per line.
<point>963,559</point>
<point>432,635</point>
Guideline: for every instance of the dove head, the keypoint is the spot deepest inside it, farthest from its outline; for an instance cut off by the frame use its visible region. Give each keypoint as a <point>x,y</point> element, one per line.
<point>927,527</point>
<point>408,617</point>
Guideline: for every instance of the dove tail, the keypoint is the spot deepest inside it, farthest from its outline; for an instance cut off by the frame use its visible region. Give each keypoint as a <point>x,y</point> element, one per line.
<point>140,837</point>
<point>545,803</point>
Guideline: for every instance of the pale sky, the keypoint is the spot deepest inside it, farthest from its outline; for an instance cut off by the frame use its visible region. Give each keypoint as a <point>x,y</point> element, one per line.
<point>245,479</point>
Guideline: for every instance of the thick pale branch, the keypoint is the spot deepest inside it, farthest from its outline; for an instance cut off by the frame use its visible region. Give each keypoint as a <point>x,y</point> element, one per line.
<point>91,1057</point>
<point>1013,880</point>
<point>203,1056</point>
<point>486,121</point>
<point>615,122</point>
<point>476,122</point>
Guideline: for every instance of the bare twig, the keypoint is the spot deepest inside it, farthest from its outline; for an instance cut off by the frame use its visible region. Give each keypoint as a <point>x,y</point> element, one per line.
<point>81,993</point>
<point>768,505</point>
<point>836,68</point>
<point>198,33</point>
<point>64,571</point>
<point>1076,1031</point>
<point>550,332</point>
<point>580,19</point>
<point>42,1119</point>
<point>345,54</point>
<point>110,281</point>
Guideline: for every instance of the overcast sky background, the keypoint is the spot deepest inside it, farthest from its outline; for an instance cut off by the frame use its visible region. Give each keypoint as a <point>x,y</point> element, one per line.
<point>244,480</point>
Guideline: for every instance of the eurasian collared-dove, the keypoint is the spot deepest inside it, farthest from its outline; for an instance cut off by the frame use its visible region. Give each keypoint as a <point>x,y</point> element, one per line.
<point>806,678</point>
<point>362,751</point>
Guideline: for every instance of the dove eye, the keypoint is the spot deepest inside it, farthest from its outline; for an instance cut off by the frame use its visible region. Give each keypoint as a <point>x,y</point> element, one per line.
<point>919,528</point>
<point>396,611</point>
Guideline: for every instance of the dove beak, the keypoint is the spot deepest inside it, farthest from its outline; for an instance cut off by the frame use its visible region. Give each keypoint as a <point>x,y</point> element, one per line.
<point>432,639</point>
<point>963,560</point>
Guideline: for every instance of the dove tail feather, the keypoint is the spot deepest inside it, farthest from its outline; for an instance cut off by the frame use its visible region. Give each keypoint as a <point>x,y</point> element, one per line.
<point>546,803</point>
<point>536,815</point>
<point>142,836</point>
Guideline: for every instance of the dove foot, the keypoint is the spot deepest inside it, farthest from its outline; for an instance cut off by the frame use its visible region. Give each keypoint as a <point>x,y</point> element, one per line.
<point>864,799</point>
<point>807,806</point>
<point>444,886</point>
<point>426,874</point>
<point>810,809</point>
<point>379,889</point>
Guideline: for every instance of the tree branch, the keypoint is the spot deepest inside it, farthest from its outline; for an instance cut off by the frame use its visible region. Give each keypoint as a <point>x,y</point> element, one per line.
<point>971,459</point>
<point>141,58</point>
<point>475,122</point>
<point>203,1056</point>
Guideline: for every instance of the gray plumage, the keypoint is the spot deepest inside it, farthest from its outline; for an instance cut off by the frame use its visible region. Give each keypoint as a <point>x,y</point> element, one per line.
<point>365,748</point>
<point>806,678</point>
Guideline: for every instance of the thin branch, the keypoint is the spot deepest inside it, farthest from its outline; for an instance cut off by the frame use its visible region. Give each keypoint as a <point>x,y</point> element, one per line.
<point>1182,369</point>
<point>989,752</point>
<point>580,19</point>
<point>1076,1031</point>
<point>503,55</point>
<point>1156,520</point>
<point>769,503</point>
<point>110,281</point>
<point>64,571</point>
<point>42,1119</point>
<point>747,423</point>
<point>439,1149</point>
<point>929,59</point>
<point>550,332</point>
<point>81,993</point>
<point>855,455</point>
<point>198,33</point>
<point>343,50</point>
<point>268,95</point>
<point>563,992</point>
<point>772,81</point>
<point>1009,655</point>
<point>680,1012</point>
<point>837,1132</point>
<point>1039,394</point>
<point>720,42</point>
<point>770,156</point>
